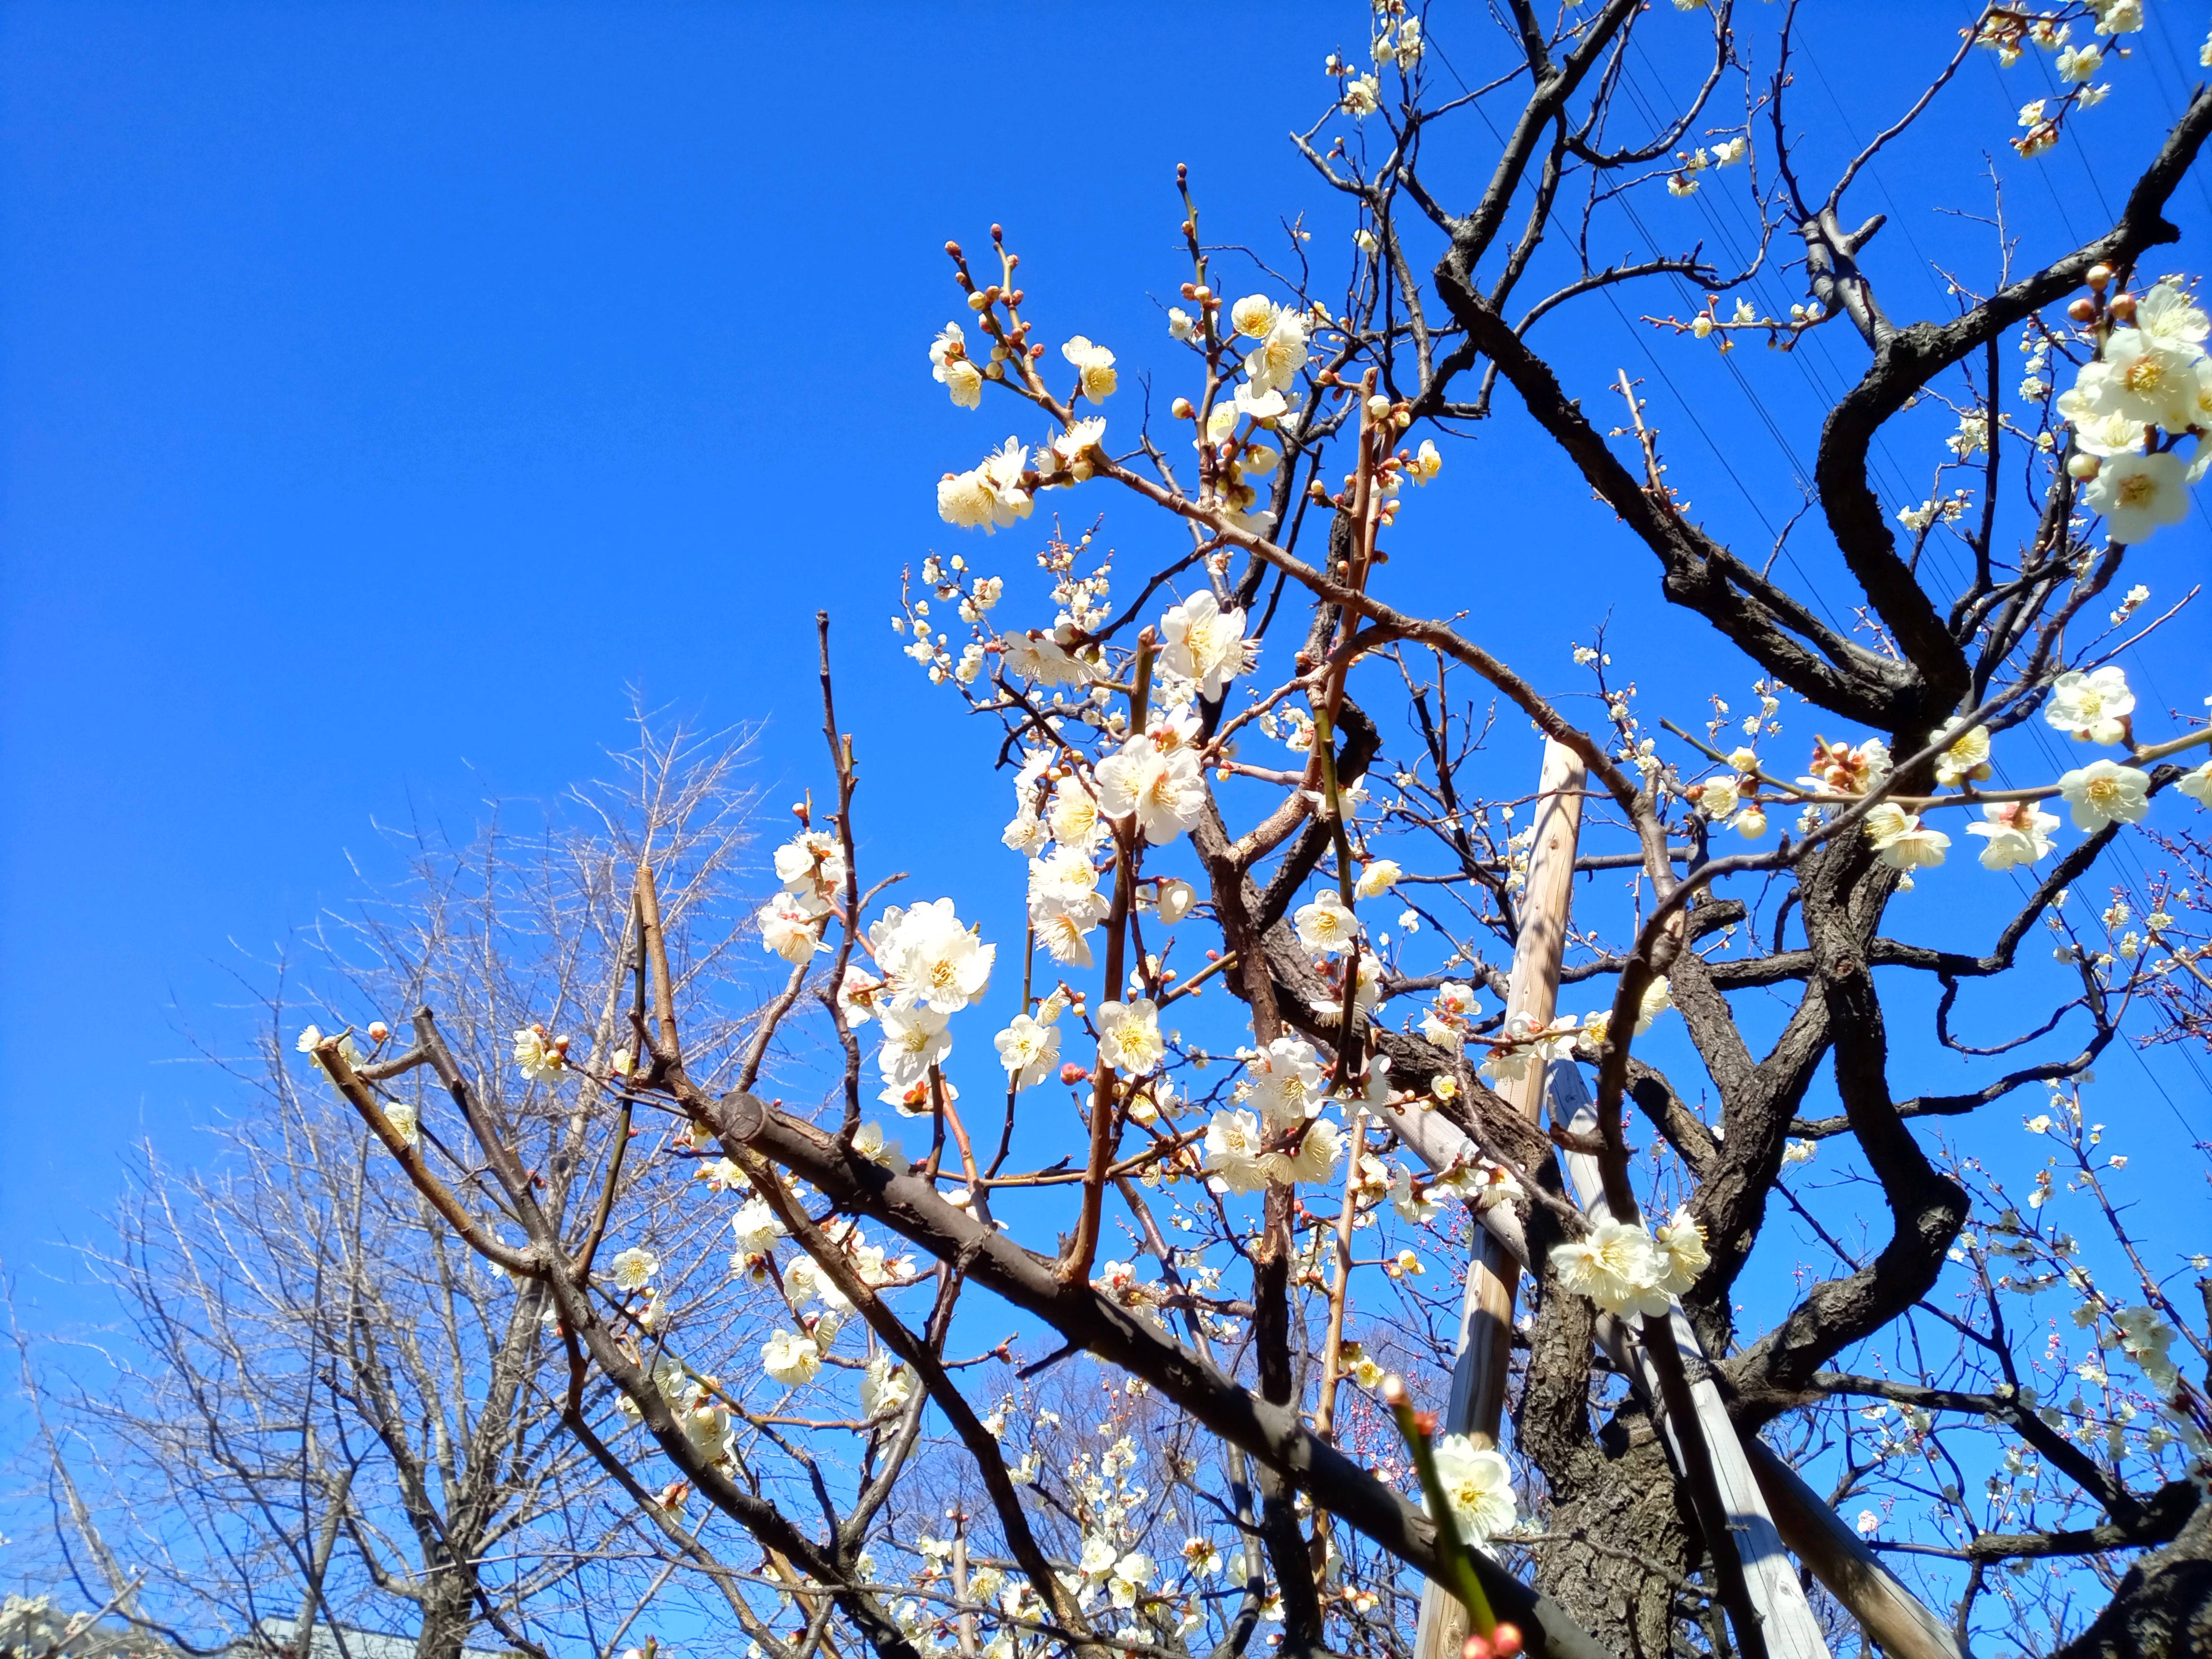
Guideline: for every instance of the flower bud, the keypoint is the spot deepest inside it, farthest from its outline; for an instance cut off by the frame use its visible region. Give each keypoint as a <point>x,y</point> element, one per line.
<point>1181,409</point>
<point>2098,276</point>
<point>2124,308</point>
<point>1378,408</point>
<point>977,302</point>
<point>1506,1641</point>
<point>1071,1072</point>
<point>378,1031</point>
<point>2082,468</point>
<point>2082,310</point>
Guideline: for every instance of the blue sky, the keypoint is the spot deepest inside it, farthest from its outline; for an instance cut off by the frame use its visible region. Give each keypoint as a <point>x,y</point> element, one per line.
<point>386,389</point>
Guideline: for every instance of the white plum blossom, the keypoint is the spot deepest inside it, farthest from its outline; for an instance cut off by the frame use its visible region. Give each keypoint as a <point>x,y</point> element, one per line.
<point>1377,878</point>
<point>1175,901</point>
<point>914,1039</point>
<point>1234,1152</point>
<point>1062,933</point>
<point>1165,791</point>
<point>633,1269</point>
<point>1274,364</point>
<point>885,1386</point>
<point>1679,1251</point>
<point>2092,706</point>
<point>2139,494</point>
<point>2169,319</point>
<point>2143,378</point>
<point>1445,1024</point>
<point>989,496</point>
<point>1068,879</point>
<point>2075,65</point>
<point>1288,1083</point>
<point>1131,1572</point>
<point>757,1227</point>
<point>1029,1051</point>
<point>1039,657</point>
<point>1482,1184</point>
<point>2144,1337</point>
<point>1415,1209</point>
<point>1478,1484</point>
<point>2197,786</point>
<point>2018,832</point>
<point>792,1359</point>
<point>1325,925</point>
<point>1903,842</point>
<point>811,867</point>
<point>1075,819</point>
<point>1967,760</point>
<point>1093,366</point>
<point>1615,1266</point>
<point>950,367</point>
<point>788,929</point>
<point>860,996</point>
<point>403,1121</point>
<point>1253,315</point>
<point>932,960</point>
<point>1362,96</point>
<point>1204,644</point>
<point>2104,792</point>
<point>1026,834</point>
<point>1071,448</point>
<point>1314,1160</point>
<point>805,1281</point>
<point>1129,1036</point>
<point>1202,1557</point>
<point>539,1058</point>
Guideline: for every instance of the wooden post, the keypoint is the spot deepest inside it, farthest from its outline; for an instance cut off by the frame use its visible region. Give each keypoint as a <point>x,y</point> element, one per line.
<point>1902,1625</point>
<point>1486,1328</point>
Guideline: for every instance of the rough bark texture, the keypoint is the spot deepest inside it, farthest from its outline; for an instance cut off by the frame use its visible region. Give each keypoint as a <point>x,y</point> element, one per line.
<point>1633,1539</point>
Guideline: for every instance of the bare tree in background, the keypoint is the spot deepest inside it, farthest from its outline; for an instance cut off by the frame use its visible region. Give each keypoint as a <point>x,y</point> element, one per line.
<point>318,1410</point>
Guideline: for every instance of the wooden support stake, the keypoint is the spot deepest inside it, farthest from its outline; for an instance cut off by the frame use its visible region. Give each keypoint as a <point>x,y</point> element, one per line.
<point>1485,1330</point>
<point>1902,1626</point>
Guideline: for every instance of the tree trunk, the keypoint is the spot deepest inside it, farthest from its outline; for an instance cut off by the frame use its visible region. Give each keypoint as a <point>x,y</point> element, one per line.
<point>1626,1540</point>
<point>2163,1608</point>
<point>446,1618</point>
<point>1630,1543</point>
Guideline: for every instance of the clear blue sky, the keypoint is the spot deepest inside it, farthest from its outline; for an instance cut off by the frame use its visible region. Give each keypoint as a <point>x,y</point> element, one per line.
<point>384,388</point>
